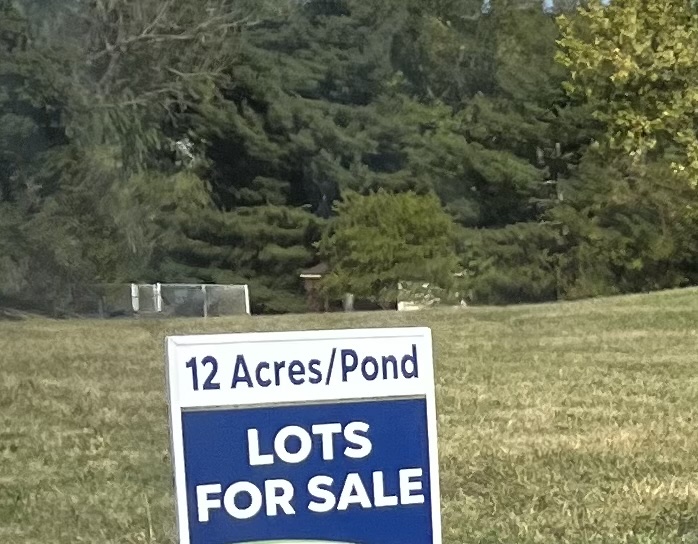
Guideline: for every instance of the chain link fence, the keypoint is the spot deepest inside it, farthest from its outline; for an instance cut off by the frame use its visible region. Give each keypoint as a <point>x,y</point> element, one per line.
<point>203,300</point>
<point>162,299</point>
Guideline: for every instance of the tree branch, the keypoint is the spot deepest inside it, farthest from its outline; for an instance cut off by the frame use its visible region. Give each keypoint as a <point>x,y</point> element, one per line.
<point>148,34</point>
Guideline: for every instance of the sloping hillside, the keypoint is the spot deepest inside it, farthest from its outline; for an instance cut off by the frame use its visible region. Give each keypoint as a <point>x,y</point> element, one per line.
<point>574,422</point>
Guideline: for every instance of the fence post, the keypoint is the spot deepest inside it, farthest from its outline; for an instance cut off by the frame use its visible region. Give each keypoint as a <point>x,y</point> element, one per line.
<point>135,305</point>
<point>348,302</point>
<point>203,288</point>
<point>247,299</point>
<point>158,297</point>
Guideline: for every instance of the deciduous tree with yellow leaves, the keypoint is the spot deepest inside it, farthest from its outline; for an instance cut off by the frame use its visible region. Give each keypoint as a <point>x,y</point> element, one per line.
<point>636,61</point>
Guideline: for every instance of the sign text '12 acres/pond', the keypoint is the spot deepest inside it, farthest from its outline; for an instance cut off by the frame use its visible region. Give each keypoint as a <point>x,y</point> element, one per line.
<point>247,373</point>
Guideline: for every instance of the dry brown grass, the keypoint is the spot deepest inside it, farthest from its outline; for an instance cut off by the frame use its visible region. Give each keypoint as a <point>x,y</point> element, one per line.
<point>573,422</point>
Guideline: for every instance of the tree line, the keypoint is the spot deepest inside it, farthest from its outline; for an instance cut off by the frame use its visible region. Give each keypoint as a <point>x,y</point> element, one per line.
<point>542,150</point>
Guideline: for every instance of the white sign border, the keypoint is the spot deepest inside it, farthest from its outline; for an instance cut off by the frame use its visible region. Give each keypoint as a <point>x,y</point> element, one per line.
<point>176,410</point>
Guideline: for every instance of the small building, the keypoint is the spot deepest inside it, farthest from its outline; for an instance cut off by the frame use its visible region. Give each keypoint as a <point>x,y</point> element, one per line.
<point>317,301</point>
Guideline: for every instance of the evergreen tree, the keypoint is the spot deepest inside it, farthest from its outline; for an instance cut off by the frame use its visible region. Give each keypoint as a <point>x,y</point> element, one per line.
<point>30,132</point>
<point>158,141</point>
<point>74,131</point>
<point>626,229</point>
<point>512,135</point>
<point>628,218</point>
<point>299,126</point>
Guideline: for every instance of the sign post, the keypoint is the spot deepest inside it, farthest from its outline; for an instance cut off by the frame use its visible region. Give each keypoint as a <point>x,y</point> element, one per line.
<point>305,437</point>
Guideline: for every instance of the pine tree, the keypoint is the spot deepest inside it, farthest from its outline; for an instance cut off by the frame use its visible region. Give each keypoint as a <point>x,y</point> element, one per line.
<point>30,132</point>
<point>298,127</point>
<point>70,217</point>
<point>625,229</point>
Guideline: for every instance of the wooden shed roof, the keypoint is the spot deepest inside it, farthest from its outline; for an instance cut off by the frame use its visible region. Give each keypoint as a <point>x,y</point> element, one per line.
<point>316,271</point>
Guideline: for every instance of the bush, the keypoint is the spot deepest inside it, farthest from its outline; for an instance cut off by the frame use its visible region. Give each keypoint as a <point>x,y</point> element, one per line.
<point>380,239</point>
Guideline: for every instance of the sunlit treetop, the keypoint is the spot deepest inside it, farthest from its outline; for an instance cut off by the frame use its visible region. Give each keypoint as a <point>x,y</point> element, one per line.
<point>636,61</point>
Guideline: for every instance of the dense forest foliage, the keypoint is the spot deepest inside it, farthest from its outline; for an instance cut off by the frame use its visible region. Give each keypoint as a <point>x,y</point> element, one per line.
<point>212,141</point>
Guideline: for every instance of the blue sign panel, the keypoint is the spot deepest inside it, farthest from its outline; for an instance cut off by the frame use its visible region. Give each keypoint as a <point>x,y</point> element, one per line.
<point>351,472</point>
<point>305,437</point>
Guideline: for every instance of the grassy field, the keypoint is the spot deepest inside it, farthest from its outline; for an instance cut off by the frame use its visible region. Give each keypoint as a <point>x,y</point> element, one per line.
<point>573,422</point>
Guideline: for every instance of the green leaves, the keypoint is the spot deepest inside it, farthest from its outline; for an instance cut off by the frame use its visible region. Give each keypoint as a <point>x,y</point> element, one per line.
<point>156,140</point>
<point>625,229</point>
<point>380,239</point>
<point>635,60</point>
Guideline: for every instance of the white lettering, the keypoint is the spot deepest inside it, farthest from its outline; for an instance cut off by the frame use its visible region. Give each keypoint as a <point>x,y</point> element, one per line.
<point>363,443</point>
<point>255,458</point>
<point>280,444</point>
<point>275,501</point>
<point>255,500</point>
<point>316,490</point>
<point>407,486</point>
<point>203,503</point>
<point>327,432</point>
<point>379,496</point>
<point>353,492</point>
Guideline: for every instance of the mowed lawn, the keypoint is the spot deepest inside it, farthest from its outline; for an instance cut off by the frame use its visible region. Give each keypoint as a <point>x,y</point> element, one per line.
<point>574,422</point>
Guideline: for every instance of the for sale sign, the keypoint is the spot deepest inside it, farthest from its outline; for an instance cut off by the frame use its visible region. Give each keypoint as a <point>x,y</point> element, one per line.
<point>322,437</point>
